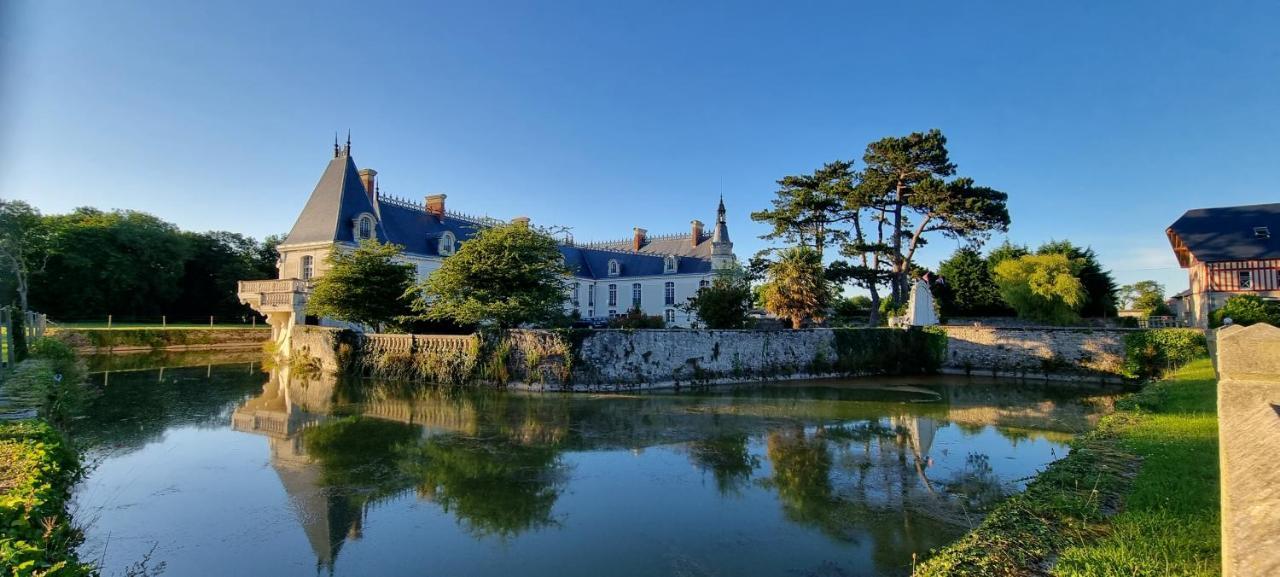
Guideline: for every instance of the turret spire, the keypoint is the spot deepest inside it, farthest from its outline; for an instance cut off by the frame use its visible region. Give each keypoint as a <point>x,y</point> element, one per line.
<point>335,144</point>
<point>348,142</point>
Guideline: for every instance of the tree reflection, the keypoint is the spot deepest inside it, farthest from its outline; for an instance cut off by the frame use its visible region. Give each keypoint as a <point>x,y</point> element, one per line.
<point>727,458</point>
<point>802,476</point>
<point>493,486</point>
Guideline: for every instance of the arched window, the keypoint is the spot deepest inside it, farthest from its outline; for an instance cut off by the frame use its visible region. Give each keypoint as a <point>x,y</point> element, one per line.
<point>669,293</point>
<point>366,227</point>
<point>614,268</point>
<point>669,264</point>
<point>635,296</point>
<point>448,244</point>
<point>308,268</point>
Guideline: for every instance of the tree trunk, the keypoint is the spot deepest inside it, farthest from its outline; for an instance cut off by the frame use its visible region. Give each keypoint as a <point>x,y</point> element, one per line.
<point>874,319</point>
<point>898,265</point>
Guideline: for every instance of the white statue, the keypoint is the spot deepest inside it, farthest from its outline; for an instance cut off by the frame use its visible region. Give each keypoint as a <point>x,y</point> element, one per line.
<point>919,307</point>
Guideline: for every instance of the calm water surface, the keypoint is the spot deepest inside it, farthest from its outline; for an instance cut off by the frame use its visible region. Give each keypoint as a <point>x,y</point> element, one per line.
<point>225,469</point>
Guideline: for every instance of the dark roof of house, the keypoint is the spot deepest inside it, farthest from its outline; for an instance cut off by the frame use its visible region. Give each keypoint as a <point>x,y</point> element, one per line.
<point>1227,233</point>
<point>340,198</point>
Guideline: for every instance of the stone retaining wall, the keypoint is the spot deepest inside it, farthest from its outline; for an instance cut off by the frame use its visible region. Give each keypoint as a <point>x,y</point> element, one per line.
<point>91,341</point>
<point>1036,352</point>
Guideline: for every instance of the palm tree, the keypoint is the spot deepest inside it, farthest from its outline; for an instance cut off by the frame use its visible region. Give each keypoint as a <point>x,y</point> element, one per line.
<point>797,288</point>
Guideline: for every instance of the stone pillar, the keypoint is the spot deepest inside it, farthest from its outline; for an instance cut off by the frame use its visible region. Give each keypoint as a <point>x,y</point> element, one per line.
<point>1248,363</point>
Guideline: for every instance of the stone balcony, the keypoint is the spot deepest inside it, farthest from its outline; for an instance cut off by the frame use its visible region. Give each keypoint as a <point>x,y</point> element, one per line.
<point>274,296</point>
<point>282,301</point>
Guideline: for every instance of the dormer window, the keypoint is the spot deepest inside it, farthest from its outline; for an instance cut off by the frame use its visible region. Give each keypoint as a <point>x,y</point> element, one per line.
<point>364,227</point>
<point>669,264</point>
<point>448,244</point>
<point>615,269</point>
<point>1261,232</point>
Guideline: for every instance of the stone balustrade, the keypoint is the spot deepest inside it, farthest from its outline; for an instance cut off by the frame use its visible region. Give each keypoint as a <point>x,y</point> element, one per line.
<point>1248,363</point>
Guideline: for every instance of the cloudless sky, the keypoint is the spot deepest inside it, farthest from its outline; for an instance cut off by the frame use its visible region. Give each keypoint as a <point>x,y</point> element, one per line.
<point>1103,121</point>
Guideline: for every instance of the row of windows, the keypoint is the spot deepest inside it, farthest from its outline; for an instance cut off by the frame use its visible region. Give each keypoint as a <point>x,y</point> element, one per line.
<point>637,294</point>
<point>669,265</point>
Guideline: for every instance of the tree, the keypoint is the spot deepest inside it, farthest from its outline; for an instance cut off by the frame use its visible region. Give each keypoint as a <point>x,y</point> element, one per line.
<point>1099,285</point>
<point>725,303</point>
<point>809,208</point>
<point>24,241</point>
<point>797,288</point>
<point>968,288</point>
<point>1247,310</point>
<point>904,182</point>
<point>125,263</point>
<point>216,262</point>
<point>850,311</point>
<point>506,275</point>
<point>1042,287</point>
<point>1146,296</point>
<point>367,285</point>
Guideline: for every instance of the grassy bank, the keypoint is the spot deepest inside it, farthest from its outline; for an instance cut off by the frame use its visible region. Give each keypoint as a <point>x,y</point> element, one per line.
<point>160,338</point>
<point>37,470</point>
<point>1136,496</point>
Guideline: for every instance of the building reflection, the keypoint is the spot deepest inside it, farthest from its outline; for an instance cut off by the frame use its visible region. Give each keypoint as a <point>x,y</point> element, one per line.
<point>854,462</point>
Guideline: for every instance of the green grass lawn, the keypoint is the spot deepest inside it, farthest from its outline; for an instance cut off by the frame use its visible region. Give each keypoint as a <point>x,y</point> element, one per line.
<point>1138,496</point>
<point>125,326</point>
<point>1170,521</point>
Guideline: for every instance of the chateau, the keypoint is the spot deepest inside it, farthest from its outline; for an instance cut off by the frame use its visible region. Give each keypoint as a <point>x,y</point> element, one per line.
<point>654,274</point>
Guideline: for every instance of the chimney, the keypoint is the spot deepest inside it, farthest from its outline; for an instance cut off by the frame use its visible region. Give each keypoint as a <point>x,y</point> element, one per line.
<point>638,240</point>
<point>367,177</point>
<point>521,221</point>
<point>696,231</point>
<point>435,204</point>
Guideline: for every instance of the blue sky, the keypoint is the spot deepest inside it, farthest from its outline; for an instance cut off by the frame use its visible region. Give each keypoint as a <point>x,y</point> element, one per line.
<point>1103,121</point>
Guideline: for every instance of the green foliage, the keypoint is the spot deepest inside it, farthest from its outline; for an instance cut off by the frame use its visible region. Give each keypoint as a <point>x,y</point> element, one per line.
<point>797,288</point>
<point>366,286</point>
<point>889,351</point>
<point>1042,287</point>
<point>969,288</point>
<point>904,179</point>
<point>726,303</point>
<point>1246,310</point>
<point>808,208</point>
<point>635,319</point>
<point>1146,296</point>
<point>506,275</point>
<point>160,338</point>
<point>1154,352</point>
<point>850,311</point>
<point>37,471</point>
<point>350,448</point>
<point>1099,286</point>
<point>91,263</point>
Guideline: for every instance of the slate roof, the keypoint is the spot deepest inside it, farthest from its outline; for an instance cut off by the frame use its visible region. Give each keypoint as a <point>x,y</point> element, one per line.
<point>340,198</point>
<point>678,244</point>
<point>1226,233</point>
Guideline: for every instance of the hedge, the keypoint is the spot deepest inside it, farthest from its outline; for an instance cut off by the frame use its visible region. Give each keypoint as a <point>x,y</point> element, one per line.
<point>1154,352</point>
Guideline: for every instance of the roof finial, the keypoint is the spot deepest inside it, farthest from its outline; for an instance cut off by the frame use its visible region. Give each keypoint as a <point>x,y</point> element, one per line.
<point>720,211</point>
<point>335,144</point>
<point>348,142</point>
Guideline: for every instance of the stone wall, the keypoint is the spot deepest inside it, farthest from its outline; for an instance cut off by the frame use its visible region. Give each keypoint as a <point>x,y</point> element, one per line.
<point>1036,352</point>
<point>1248,363</point>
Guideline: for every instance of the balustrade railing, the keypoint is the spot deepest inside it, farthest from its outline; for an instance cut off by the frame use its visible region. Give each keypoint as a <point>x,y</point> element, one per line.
<point>419,343</point>
<point>284,285</point>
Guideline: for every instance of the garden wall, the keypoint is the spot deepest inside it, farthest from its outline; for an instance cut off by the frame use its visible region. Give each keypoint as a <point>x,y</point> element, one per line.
<point>1036,352</point>
<point>594,360</point>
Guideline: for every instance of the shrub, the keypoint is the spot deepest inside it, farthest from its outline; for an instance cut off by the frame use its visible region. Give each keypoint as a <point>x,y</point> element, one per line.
<point>1154,352</point>
<point>36,537</point>
<point>1247,310</point>
<point>50,380</point>
<point>889,351</point>
<point>1042,287</point>
<point>634,319</point>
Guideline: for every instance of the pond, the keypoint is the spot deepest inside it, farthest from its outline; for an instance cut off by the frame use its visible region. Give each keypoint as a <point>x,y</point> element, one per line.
<point>223,469</point>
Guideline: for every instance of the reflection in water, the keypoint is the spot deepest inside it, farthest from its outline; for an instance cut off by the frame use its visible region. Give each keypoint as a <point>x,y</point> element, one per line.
<point>878,470</point>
